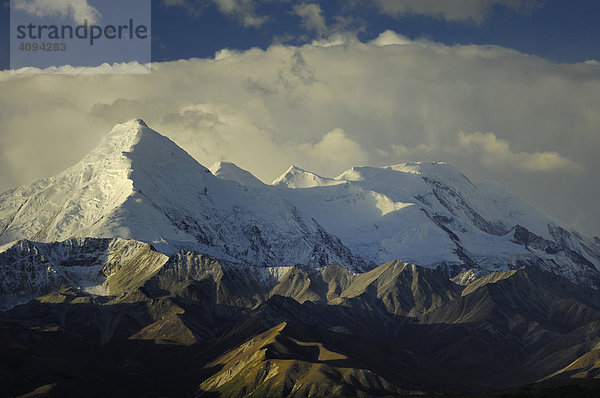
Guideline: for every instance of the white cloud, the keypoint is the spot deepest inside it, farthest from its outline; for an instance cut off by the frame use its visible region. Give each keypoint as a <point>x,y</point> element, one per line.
<point>78,10</point>
<point>116,68</point>
<point>312,17</point>
<point>452,10</point>
<point>334,40</point>
<point>339,29</point>
<point>192,7</point>
<point>390,38</point>
<point>224,53</point>
<point>379,104</point>
<point>495,152</point>
<point>335,152</point>
<point>243,10</point>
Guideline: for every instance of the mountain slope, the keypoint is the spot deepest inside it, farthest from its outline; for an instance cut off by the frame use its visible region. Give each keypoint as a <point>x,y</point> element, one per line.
<point>279,363</point>
<point>231,172</point>
<point>139,185</point>
<point>190,324</point>
<point>431,214</point>
<point>295,177</point>
<point>182,281</point>
<point>99,266</point>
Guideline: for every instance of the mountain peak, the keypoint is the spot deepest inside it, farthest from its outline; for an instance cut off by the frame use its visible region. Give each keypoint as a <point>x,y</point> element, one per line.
<point>294,168</point>
<point>122,138</point>
<point>138,184</point>
<point>232,172</point>
<point>93,197</point>
<point>135,144</point>
<point>431,169</point>
<point>411,177</point>
<point>295,177</point>
<point>129,128</point>
<point>418,167</point>
<point>140,122</point>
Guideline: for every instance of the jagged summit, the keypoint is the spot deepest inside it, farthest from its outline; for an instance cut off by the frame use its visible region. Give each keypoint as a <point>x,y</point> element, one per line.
<point>295,177</point>
<point>438,170</point>
<point>108,184</point>
<point>441,170</point>
<point>141,122</point>
<point>138,184</point>
<point>292,171</point>
<point>135,137</point>
<point>124,135</point>
<point>429,213</point>
<point>230,171</point>
<point>421,167</point>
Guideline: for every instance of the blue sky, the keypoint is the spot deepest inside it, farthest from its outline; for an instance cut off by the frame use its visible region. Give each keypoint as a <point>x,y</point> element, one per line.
<point>560,30</point>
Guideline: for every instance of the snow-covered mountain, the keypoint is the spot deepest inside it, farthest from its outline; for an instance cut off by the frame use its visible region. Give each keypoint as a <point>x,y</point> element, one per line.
<point>137,184</point>
<point>230,171</point>
<point>431,214</point>
<point>31,269</point>
<point>112,267</point>
<point>296,177</point>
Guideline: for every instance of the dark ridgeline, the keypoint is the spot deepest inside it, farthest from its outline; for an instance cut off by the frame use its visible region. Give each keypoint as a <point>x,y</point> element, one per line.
<point>196,326</point>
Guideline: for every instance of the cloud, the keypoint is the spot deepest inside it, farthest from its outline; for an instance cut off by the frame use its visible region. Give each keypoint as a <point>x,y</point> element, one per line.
<point>334,152</point>
<point>340,27</point>
<point>495,152</point>
<point>312,17</point>
<point>242,10</point>
<point>78,10</point>
<point>453,10</point>
<point>390,38</point>
<point>116,68</point>
<point>195,8</point>
<point>330,105</point>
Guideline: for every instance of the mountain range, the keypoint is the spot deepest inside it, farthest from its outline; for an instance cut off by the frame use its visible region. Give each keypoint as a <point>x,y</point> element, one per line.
<point>140,266</point>
<point>138,184</point>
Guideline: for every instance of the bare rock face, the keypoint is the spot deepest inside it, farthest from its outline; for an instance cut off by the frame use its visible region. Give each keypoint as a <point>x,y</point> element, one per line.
<point>201,326</point>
